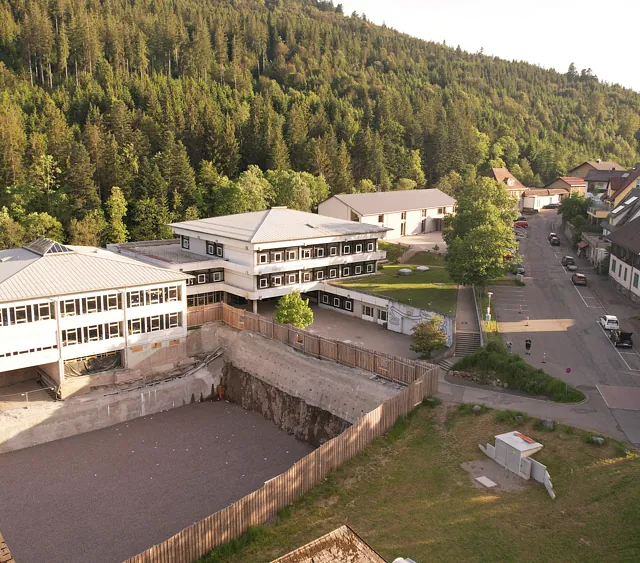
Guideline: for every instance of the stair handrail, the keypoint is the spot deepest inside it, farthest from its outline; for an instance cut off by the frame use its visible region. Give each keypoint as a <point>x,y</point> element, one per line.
<point>479,317</point>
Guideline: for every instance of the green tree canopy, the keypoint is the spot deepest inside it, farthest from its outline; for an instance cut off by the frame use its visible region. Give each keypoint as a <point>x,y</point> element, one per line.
<point>428,336</point>
<point>293,310</point>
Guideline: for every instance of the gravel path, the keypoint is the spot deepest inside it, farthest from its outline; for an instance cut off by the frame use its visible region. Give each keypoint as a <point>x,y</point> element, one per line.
<point>107,495</point>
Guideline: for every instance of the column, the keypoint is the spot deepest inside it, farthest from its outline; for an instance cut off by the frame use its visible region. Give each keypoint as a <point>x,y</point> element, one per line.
<point>255,306</point>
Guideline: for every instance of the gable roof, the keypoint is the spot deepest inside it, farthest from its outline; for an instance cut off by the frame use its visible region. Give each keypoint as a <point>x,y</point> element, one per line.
<point>342,545</point>
<point>503,176</point>
<point>375,203</point>
<point>573,180</point>
<point>599,165</point>
<point>25,273</point>
<point>275,225</point>
<point>627,236</point>
<point>603,175</point>
<point>618,185</point>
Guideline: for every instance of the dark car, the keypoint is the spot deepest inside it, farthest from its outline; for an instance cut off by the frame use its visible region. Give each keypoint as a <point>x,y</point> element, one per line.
<point>521,218</point>
<point>621,339</point>
<point>579,279</point>
<point>555,241</point>
<point>569,263</point>
<point>551,206</point>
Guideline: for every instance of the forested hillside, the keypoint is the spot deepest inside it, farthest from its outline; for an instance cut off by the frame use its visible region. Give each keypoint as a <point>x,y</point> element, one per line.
<point>117,117</point>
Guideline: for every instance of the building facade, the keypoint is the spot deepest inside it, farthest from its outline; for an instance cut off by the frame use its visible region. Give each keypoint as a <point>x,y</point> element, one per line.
<point>68,311</point>
<point>263,254</point>
<point>624,265</point>
<point>515,188</point>
<point>403,213</point>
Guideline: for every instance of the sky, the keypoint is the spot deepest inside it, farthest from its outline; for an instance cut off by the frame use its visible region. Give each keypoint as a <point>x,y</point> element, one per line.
<point>549,33</point>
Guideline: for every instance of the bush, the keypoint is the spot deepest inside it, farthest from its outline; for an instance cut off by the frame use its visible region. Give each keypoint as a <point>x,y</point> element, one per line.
<point>431,402</point>
<point>518,374</point>
<point>511,417</point>
<point>467,408</point>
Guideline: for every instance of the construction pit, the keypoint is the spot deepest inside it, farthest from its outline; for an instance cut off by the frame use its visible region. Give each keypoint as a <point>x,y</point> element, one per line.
<point>104,476</point>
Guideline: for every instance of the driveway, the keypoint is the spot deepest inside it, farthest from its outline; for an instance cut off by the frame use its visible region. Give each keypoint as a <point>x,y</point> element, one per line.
<point>561,321</point>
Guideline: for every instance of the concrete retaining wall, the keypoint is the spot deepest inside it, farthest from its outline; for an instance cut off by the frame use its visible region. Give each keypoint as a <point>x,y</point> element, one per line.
<point>53,421</point>
<point>310,424</point>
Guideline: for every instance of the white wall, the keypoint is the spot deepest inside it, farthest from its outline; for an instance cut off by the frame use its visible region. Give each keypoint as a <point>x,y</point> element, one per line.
<point>617,269</point>
<point>333,207</point>
<point>234,250</point>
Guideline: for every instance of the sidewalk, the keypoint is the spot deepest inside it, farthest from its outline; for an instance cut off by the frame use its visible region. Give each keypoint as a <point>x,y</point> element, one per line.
<point>583,415</point>
<point>466,315</point>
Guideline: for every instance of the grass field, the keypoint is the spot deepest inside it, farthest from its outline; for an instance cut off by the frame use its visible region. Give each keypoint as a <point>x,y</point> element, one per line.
<point>394,251</point>
<point>427,259</point>
<point>432,290</point>
<point>407,495</point>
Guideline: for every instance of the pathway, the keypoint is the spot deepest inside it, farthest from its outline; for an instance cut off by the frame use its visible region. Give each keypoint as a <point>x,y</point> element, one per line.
<point>467,339</point>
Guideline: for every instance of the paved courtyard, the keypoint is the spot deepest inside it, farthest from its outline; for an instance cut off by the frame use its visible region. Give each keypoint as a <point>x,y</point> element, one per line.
<point>347,328</point>
<point>423,241</point>
<point>107,495</point>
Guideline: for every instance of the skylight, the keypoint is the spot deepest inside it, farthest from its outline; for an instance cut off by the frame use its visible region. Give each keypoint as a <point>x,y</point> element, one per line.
<point>617,210</point>
<point>631,200</point>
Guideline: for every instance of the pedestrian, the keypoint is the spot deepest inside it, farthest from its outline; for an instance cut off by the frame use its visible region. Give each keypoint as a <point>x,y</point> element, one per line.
<point>509,346</point>
<point>527,345</point>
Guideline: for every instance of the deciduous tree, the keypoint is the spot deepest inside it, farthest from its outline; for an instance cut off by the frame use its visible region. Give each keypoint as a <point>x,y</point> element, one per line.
<point>293,310</point>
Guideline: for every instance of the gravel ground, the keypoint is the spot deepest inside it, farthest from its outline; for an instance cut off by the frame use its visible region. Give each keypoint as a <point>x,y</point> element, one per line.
<point>107,495</point>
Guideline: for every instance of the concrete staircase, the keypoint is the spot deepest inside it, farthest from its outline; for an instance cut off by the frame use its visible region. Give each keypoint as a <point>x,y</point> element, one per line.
<point>466,343</point>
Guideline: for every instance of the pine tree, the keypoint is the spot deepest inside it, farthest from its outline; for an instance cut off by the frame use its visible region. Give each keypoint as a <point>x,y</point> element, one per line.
<point>79,184</point>
<point>116,208</point>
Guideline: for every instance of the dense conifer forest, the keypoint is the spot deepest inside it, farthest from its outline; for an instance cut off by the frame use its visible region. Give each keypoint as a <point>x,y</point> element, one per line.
<point>119,116</point>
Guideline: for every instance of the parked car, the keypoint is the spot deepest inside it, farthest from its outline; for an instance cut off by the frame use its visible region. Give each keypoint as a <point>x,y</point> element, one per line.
<point>569,263</point>
<point>524,224</point>
<point>551,206</point>
<point>621,339</point>
<point>520,270</point>
<point>521,218</point>
<point>609,322</point>
<point>579,279</point>
<point>552,235</point>
<point>555,241</point>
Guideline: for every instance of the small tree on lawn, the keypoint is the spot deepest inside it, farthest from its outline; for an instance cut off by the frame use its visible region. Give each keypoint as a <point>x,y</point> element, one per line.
<point>293,310</point>
<point>429,336</point>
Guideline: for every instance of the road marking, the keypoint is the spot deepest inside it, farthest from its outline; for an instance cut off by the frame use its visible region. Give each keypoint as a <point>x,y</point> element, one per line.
<point>618,351</point>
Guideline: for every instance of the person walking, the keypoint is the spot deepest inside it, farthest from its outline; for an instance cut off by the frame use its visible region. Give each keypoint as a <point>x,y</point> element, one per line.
<point>527,345</point>
<point>509,346</point>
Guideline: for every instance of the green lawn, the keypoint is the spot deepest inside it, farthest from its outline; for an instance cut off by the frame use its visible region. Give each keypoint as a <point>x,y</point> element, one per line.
<point>394,251</point>
<point>431,290</point>
<point>407,495</point>
<point>426,259</point>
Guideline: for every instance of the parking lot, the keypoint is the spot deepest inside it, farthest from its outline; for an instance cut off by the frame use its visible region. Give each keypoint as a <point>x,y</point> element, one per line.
<point>561,319</point>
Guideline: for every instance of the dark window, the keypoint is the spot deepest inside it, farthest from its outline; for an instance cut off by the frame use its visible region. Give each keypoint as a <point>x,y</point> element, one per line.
<point>380,218</point>
<point>211,248</point>
<point>219,250</point>
<point>185,242</point>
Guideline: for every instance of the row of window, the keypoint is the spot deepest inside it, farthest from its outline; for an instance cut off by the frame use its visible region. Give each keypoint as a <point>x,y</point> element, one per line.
<point>142,297</point>
<point>30,351</point>
<point>26,314</point>
<point>86,305</point>
<point>332,272</point>
<point>403,215</point>
<point>107,331</point>
<point>211,248</point>
<point>205,298</point>
<point>322,251</point>
<point>347,304</point>
<point>206,276</point>
<point>82,335</point>
<point>153,324</point>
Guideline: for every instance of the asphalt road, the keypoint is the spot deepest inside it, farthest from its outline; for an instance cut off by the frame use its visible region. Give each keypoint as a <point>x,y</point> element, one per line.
<point>107,495</point>
<point>561,321</point>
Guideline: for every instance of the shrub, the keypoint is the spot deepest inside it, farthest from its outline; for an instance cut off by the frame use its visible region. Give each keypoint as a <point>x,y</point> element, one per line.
<point>518,374</point>
<point>428,336</point>
<point>467,408</point>
<point>511,417</point>
<point>431,402</point>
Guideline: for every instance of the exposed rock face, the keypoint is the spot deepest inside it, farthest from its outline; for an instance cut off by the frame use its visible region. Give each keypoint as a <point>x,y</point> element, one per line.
<point>306,422</point>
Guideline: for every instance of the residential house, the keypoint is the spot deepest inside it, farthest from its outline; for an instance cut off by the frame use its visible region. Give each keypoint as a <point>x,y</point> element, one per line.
<point>70,311</point>
<point>617,187</point>
<point>583,169</point>
<point>598,181</point>
<point>572,184</point>
<point>342,545</point>
<point>407,212</point>
<point>624,267</point>
<point>513,185</point>
<point>264,254</point>
<point>536,199</point>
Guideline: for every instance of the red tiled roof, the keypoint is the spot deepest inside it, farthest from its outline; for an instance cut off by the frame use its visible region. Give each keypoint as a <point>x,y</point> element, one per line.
<point>502,175</point>
<point>573,180</point>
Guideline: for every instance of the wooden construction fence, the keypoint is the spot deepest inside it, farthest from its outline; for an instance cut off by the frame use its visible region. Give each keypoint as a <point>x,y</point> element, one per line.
<point>388,366</point>
<point>263,505</point>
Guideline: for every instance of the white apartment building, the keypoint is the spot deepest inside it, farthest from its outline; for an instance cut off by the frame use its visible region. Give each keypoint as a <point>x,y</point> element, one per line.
<point>404,213</point>
<point>263,254</point>
<point>68,311</point>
